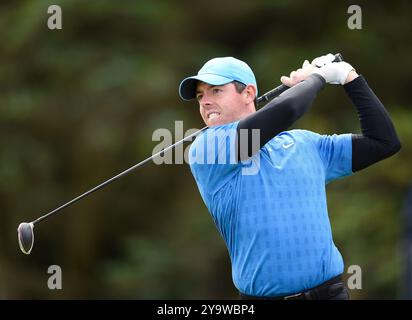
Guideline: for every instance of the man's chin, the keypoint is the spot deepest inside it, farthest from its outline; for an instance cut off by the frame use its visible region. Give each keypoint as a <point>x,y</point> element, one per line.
<point>216,122</point>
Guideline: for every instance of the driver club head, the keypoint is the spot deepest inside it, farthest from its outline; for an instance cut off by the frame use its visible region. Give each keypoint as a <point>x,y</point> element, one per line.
<point>25,236</point>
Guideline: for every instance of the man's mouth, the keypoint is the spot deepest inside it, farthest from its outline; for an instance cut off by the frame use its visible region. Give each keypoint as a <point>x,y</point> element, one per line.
<point>212,115</point>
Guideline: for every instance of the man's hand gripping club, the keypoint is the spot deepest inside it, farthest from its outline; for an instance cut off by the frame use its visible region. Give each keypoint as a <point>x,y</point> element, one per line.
<point>333,72</point>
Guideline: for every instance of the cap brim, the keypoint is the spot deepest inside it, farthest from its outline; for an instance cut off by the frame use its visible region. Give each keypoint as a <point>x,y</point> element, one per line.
<point>187,88</point>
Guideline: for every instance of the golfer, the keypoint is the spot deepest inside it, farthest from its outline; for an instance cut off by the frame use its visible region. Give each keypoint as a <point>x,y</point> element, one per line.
<point>267,196</point>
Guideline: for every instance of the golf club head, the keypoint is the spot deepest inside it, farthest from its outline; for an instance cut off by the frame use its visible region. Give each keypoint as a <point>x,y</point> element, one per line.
<point>25,236</point>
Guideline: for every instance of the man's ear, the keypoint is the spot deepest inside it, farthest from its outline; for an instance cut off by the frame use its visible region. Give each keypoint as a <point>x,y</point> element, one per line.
<point>250,92</point>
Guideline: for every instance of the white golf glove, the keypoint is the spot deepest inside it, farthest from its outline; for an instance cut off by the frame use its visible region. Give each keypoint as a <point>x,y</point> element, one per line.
<point>322,60</point>
<point>332,72</point>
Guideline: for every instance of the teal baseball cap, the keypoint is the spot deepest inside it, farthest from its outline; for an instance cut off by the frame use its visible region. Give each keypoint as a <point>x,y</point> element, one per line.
<point>216,72</point>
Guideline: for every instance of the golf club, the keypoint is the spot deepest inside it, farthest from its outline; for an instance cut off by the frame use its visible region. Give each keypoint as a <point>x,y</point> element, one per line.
<point>25,230</point>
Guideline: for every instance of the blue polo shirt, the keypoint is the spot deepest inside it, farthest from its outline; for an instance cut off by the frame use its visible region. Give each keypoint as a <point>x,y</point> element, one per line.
<point>271,209</point>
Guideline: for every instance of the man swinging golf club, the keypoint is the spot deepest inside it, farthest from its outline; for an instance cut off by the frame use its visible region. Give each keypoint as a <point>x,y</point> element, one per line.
<point>275,221</point>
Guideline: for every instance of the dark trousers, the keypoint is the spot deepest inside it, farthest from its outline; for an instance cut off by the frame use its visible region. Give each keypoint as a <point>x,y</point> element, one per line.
<point>333,289</point>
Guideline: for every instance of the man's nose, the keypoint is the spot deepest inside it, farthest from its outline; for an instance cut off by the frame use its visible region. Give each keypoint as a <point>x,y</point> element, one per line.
<point>206,101</point>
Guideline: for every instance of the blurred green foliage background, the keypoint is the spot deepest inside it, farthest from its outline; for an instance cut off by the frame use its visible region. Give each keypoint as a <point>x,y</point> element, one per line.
<point>79,105</point>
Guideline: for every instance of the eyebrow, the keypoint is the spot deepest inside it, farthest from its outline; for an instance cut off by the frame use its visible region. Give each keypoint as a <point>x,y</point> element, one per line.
<point>211,86</point>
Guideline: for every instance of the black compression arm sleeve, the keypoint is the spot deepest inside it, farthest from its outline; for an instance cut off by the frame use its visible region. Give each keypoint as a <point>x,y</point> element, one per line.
<point>379,139</point>
<point>278,114</point>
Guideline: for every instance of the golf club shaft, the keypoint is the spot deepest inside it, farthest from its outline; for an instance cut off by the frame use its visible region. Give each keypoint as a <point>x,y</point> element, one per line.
<point>265,97</point>
<point>118,176</point>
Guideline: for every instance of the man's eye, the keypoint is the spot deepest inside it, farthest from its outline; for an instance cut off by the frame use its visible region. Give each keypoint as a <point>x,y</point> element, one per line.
<point>216,90</point>
<point>198,97</point>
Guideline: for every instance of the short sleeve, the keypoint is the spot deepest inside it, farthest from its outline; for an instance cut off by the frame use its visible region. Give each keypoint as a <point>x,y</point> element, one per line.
<point>212,157</point>
<point>335,152</point>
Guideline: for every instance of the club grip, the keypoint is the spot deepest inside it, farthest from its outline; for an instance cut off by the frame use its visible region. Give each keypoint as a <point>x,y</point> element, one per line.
<point>338,58</point>
<point>279,89</point>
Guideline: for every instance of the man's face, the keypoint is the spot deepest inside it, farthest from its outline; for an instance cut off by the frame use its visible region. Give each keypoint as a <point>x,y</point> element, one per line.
<point>222,104</point>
